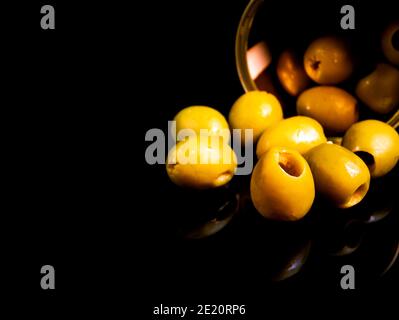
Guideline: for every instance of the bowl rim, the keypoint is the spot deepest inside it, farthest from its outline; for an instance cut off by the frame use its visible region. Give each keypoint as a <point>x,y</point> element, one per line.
<point>241,44</point>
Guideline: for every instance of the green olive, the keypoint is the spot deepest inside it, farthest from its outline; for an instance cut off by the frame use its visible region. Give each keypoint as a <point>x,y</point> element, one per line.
<point>380,89</point>
<point>334,108</point>
<point>328,60</point>
<point>291,73</point>
<point>256,110</point>
<point>299,133</point>
<point>201,162</point>
<point>339,174</point>
<point>376,142</point>
<point>199,118</point>
<point>281,177</point>
<point>390,42</point>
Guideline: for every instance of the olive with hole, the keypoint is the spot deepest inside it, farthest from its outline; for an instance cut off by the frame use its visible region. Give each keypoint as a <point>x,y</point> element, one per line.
<point>376,142</point>
<point>390,42</point>
<point>281,177</point>
<point>299,133</point>
<point>334,108</point>
<point>339,174</point>
<point>328,60</point>
<point>201,162</point>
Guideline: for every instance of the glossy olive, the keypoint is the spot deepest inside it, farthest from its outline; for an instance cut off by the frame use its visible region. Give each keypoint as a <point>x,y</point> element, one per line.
<point>328,60</point>
<point>299,133</point>
<point>255,110</point>
<point>201,162</point>
<point>376,142</point>
<point>199,118</point>
<point>339,174</point>
<point>380,89</point>
<point>390,42</point>
<point>291,73</point>
<point>281,177</point>
<point>334,108</point>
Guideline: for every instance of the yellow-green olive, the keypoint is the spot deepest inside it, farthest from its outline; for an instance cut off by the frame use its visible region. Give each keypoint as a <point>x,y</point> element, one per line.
<point>201,162</point>
<point>328,60</point>
<point>291,73</point>
<point>339,174</point>
<point>201,117</point>
<point>335,109</point>
<point>380,89</point>
<point>376,142</point>
<point>282,186</point>
<point>299,133</point>
<point>390,42</point>
<point>255,110</point>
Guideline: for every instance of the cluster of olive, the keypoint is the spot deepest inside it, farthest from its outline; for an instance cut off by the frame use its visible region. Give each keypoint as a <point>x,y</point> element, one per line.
<point>295,158</point>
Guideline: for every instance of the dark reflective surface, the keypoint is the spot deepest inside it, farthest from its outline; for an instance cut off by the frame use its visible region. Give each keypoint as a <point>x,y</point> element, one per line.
<point>222,227</point>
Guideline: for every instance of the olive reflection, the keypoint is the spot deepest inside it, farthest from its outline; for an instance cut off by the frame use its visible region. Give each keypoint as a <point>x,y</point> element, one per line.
<point>223,216</point>
<point>353,232</point>
<point>379,214</point>
<point>379,202</point>
<point>377,255</point>
<point>376,207</point>
<point>294,263</point>
<point>393,260</point>
<point>276,251</point>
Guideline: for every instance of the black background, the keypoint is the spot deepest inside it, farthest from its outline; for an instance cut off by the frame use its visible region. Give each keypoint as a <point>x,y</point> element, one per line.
<point>79,100</point>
